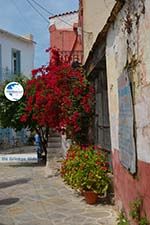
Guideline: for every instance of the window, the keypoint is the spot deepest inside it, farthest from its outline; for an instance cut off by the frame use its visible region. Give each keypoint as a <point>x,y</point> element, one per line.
<point>16,67</point>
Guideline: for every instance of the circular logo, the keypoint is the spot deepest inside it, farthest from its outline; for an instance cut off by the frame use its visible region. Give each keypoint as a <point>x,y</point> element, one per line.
<point>13,91</point>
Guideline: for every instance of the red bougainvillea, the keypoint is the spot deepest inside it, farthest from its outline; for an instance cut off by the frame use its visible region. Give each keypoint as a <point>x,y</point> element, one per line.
<point>59,97</point>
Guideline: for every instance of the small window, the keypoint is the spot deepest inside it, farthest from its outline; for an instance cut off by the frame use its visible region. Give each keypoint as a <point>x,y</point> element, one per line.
<point>16,67</point>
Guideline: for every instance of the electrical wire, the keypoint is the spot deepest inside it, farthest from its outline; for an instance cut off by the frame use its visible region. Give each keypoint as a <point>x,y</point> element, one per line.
<point>42,47</point>
<point>43,7</point>
<point>52,14</point>
<point>37,11</point>
<point>21,15</point>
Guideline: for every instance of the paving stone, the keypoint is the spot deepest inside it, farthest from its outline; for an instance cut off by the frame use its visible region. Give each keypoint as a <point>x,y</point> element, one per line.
<point>100,214</point>
<point>6,220</point>
<point>91,221</point>
<point>45,201</point>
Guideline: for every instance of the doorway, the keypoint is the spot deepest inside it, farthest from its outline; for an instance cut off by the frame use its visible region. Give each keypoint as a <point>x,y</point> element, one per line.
<point>101,123</point>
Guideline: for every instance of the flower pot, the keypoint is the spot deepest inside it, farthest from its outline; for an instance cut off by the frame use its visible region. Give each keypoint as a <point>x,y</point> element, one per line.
<point>82,192</point>
<point>91,197</point>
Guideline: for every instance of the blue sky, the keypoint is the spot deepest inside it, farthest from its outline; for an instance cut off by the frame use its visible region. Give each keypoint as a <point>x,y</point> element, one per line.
<point>17,16</point>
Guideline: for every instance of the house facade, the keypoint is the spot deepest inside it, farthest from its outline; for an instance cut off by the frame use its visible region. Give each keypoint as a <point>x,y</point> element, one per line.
<point>93,16</point>
<point>16,58</point>
<point>121,55</point>
<point>127,59</point>
<point>16,55</point>
<point>65,35</point>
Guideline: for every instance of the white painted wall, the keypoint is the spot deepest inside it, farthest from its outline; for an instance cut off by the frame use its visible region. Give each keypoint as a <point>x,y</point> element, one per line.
<point>94,22</point>
<point>24,45</point>
<point>116,58</point>
<point>65,21</point>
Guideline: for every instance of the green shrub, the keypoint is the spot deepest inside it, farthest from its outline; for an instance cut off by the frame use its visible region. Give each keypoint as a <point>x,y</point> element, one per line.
<point>122,220</point>
<point>86,168</point>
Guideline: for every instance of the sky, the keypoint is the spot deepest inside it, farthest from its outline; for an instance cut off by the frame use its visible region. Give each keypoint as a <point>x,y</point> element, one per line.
<point>18,17</point>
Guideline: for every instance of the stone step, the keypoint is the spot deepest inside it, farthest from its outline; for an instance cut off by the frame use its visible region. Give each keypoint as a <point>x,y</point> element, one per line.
<point>54,139</point>
<point>54,144</point>
<point>54,134</point>
<point>54,148</point>
<point>54,152</point>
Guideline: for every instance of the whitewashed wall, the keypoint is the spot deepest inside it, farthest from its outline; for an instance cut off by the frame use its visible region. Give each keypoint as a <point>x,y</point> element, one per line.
<point>25,46</point>
<point>94,22</point>
<point>134,46</point>
<point>65,21</point>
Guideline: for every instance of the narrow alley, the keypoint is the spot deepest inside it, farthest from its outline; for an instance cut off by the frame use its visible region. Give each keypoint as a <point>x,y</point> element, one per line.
<point>28,197</point>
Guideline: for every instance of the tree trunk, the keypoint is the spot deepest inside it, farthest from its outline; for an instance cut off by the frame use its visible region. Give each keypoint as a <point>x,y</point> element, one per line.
<point>43,133</point>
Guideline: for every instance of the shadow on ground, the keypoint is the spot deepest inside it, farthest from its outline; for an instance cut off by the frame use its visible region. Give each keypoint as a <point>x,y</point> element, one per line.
<point>8,201</point>
<point>42,163</point>
<point>107,200</point>
<point>13,182</point>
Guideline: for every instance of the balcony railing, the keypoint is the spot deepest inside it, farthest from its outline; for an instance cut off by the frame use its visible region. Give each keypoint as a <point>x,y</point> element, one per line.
<point>76,56</point>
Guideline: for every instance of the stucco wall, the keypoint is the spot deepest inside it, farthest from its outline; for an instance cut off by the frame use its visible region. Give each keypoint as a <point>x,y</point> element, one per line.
<point>131,49</point>
<point>128,47</point>
<point>65,21</point>
<point>65,35</point>
<point>64,40</point>
<point>9,42</point>
<point>94,22</point>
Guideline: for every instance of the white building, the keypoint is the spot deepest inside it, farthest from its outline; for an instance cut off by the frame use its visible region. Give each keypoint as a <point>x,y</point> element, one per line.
<point>16,54</point>
<point>16,58</point>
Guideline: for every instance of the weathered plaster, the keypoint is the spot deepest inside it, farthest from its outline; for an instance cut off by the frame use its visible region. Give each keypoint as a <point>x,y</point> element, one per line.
<point>128,48</point>
<point>128,188</point>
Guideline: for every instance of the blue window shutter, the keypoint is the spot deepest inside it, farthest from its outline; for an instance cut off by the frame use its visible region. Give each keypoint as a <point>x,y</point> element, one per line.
<point>18,62</point>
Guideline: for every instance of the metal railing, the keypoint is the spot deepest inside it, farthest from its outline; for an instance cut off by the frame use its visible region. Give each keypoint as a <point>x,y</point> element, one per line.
<point>76,56</point>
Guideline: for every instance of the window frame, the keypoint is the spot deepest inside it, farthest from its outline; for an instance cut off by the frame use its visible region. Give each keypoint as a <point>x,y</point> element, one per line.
<point>17,70</point>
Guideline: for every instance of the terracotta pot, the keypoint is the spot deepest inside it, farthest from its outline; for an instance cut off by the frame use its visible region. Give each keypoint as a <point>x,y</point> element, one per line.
<point>82,192</point>
<point>90,197</point>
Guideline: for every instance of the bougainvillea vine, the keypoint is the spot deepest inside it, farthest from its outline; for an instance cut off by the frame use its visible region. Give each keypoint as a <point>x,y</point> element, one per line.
<point>61,98</point>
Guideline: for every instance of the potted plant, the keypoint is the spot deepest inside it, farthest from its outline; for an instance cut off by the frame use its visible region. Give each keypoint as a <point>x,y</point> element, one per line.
<point>86,168</point>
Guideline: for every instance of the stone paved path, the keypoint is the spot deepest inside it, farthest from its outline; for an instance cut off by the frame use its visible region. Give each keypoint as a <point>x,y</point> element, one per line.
<point>27,197</point>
